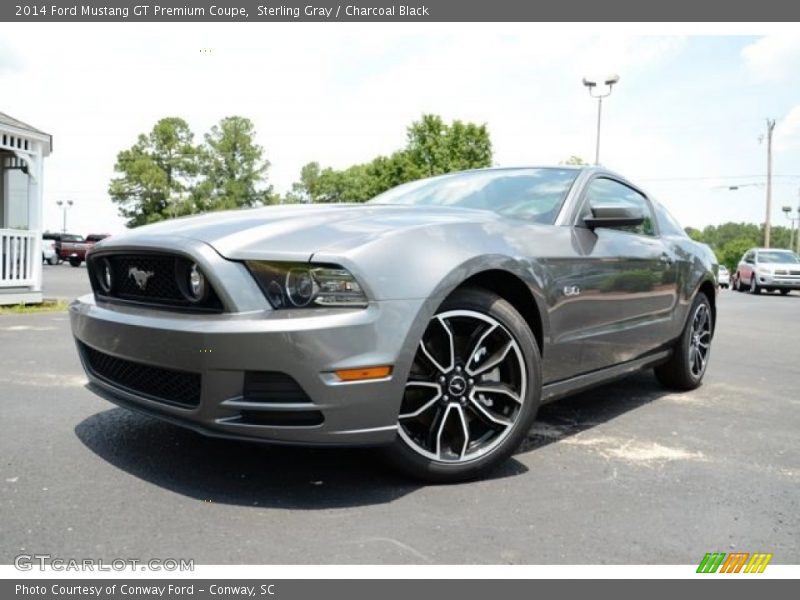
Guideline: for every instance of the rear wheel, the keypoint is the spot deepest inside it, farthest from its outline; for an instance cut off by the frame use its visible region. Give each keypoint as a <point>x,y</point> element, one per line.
<point>473,390</point>
<point>687,366</point>
<point>785,292</point>
<point>75,262</point>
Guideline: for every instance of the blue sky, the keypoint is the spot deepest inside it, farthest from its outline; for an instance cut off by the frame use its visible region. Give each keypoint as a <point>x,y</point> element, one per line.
<point>684,120</point>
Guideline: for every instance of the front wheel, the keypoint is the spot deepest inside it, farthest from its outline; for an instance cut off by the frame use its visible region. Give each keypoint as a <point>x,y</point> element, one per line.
<point>785,292</point>
<point>473,390</point>
<point>686,367</point>
<point>754,289</point>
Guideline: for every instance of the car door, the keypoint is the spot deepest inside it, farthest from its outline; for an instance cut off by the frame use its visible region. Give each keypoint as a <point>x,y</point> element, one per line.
<point>747,267</point>
<point>624,303</point>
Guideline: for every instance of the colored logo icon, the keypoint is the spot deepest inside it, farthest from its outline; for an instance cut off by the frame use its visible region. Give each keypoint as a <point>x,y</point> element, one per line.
<point>736,562</point>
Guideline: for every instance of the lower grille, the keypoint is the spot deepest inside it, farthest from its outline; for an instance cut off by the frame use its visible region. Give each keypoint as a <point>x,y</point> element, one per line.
<point>272,386</point>
<point>279,418</point>
<point>165,385</point>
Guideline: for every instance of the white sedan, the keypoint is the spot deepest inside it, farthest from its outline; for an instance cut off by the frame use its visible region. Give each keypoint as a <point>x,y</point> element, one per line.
<point>724,277</point>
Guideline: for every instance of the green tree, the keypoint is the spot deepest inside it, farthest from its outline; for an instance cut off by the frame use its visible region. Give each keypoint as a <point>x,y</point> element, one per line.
<point>233,167</point>
<point>731,240</point>
<point>308,188</point>
<point>432,148</point>
<point>156,173</point>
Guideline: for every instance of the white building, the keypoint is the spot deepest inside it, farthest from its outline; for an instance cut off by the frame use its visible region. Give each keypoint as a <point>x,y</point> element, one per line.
<point>22,152</point>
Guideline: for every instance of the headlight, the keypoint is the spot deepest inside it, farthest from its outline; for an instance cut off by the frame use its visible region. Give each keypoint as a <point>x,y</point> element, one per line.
<point>301,285</point>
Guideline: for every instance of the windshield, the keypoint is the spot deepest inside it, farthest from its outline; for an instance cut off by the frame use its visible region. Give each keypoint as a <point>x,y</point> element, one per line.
<point>778,257</point>
<point>532,194</point>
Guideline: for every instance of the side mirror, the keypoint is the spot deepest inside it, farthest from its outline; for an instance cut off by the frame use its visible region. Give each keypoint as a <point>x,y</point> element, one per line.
<point>610,215</point>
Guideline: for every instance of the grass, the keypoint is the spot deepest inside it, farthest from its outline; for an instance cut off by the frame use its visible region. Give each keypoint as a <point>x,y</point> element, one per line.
<point>46,306</point>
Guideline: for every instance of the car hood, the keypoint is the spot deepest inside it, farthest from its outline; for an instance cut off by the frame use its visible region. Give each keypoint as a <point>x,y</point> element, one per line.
<point>296,232</point>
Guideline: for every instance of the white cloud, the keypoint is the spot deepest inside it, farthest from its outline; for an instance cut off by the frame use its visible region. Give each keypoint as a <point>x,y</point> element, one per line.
<point>773,57</point>
<point>9,61</point>
<point>787,131</point>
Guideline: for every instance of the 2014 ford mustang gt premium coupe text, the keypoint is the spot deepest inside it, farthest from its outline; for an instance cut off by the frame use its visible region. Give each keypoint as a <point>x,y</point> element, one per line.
<point>433,320</point>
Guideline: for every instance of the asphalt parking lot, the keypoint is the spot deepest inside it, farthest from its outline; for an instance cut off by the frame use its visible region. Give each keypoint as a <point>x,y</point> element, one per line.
<point>625,474</point>
<point>63,281</point>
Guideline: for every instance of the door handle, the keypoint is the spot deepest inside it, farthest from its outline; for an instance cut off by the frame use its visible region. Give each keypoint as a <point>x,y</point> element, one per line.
<point>667,258</point>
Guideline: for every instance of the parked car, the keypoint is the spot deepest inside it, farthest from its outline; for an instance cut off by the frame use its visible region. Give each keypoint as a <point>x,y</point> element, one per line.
<point>433,320</point>
<point>63,242</point>
<point>723,277</point>
<point>49,254</point>
<point>75,250</point>
<point>769,269</point>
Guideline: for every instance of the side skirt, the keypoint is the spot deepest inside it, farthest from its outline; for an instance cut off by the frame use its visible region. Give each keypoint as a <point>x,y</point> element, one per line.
<point>573,385</point>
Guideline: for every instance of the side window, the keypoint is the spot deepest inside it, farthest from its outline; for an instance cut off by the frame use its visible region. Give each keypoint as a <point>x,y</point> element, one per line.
<point>603,191</point>
<point>749,257</point>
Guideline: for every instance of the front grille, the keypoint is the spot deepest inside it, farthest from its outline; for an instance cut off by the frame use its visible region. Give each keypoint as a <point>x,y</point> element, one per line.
<point>165,385</point>
<point>149,278</point>
<point>272,386</point>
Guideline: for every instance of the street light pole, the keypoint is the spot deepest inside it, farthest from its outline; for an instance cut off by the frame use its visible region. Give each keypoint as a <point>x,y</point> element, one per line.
<point>787,211</point>
<point>64,206</point>
<point>591,85</point>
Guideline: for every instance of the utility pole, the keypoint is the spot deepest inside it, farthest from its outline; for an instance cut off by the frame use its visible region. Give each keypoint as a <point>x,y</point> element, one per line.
<point>767,225</point>
<point>797,236</point>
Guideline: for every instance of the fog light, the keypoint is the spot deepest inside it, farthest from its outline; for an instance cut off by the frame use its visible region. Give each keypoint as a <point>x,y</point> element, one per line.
<point>106,276</point>
<point>197,283</point>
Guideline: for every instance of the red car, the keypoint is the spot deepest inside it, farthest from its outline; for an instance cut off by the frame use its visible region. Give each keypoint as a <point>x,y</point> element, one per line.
<point>75,250</point>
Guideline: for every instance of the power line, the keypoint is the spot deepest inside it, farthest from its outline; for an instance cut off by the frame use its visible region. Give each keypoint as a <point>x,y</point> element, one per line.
<point>714,177</point>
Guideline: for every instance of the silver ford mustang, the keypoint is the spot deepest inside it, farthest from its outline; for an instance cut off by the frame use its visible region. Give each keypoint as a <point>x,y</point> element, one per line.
<point>433,320</point>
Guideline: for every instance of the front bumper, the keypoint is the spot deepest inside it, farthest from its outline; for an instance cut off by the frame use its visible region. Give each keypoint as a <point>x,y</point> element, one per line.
<point>223,348</point>
<point>779,282</point>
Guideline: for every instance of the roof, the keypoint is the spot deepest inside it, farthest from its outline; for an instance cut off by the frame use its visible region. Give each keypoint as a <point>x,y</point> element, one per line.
<point>13,123</point>
<point>9,120</point>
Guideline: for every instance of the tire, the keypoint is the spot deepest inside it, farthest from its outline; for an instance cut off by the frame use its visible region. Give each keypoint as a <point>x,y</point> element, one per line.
<point>685,369</point>
<point>454,424</point>
<point>737,284</point>
<point>75,262</point>
<point>785,292</point>
<point>754,289</point>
